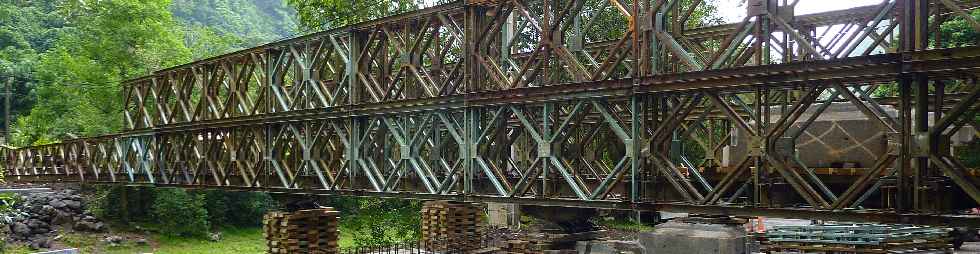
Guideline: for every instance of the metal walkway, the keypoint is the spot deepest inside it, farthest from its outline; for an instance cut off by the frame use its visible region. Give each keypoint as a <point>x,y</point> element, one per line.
<point>568,102</point>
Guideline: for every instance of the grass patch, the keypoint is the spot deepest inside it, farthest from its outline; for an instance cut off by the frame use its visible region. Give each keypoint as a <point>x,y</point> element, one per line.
<point>233,241</point>
<point>17,249</point>
<point>625,225</point>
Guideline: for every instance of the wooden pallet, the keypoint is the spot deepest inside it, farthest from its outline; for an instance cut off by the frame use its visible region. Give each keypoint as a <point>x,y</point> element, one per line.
<point>522,247</point>
<point>303,231</point>
<point>451,225</point>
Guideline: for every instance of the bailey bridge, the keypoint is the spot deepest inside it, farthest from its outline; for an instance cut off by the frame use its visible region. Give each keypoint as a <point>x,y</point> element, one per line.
<point>619,104</point>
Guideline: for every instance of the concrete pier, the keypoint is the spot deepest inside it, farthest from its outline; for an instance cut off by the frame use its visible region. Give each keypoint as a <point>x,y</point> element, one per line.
<point>694,236</point>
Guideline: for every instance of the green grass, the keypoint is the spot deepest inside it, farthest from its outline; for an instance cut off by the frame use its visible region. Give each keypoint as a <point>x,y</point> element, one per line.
<point>233,241</point>
<point>625,225</point>
<point>17,249</point>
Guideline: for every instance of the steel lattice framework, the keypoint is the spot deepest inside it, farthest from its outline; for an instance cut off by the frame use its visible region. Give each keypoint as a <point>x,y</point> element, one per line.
<point>561,102</point>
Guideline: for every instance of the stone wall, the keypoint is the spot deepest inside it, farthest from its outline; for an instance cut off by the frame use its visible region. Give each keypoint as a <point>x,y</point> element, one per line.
<point>40,216</point>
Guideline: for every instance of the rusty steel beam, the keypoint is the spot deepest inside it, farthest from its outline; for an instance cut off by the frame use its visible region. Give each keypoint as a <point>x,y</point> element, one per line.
<point>536,102</point>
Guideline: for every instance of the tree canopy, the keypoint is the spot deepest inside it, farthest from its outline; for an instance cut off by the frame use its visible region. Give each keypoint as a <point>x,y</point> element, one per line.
<point>70,56</point>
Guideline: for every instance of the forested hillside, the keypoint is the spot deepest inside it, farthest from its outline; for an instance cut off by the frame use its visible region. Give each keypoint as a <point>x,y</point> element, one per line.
<point>68,57</point>
<point>252,22</point>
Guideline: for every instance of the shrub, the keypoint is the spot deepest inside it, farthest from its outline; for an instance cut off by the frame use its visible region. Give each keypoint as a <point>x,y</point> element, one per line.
<point>245,209</point>
<point>121,204</point>
<point>375,221</point>
<point>180,213</point>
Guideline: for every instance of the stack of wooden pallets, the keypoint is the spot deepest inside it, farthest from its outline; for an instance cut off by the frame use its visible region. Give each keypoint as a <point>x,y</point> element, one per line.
<point>451,225</point>
<point>520,247</point>
<point>857,238</point>
<point>303,231</point>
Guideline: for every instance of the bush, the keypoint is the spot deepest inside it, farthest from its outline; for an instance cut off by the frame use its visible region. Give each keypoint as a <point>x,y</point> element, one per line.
<point>170,208</point>
<point>243,209</point>
<point>121,204</point>
<point>375,221</point>
<point>180,213</point>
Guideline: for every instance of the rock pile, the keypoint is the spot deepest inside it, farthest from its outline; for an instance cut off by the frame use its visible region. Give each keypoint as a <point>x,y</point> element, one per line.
<point>40,215</point>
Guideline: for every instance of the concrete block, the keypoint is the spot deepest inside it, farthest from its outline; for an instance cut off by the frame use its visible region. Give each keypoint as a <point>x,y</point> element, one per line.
<point>504,215</point>
<point>694,238</point>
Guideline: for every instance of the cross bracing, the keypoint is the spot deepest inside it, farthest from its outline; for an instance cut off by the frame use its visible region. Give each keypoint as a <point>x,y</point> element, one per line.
<point>609,104</point>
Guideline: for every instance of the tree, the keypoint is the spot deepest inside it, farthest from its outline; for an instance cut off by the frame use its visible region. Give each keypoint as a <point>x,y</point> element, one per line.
<point>957,32</point>
<point>250,22</point>
<point>27,29</point>
<point>325,14</point>
<point>79,77</point>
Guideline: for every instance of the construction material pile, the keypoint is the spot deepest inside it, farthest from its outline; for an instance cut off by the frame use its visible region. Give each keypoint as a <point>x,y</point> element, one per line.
<point>522,247</point>
<point>303,231</point>
<point>857,238</point>
<point>451,225</point>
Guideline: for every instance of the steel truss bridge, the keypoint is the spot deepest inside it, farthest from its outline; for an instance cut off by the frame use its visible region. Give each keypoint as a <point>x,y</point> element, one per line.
<point>562,102</point>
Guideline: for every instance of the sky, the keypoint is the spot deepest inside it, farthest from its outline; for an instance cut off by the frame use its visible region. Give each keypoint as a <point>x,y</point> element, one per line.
<point>733,11</point>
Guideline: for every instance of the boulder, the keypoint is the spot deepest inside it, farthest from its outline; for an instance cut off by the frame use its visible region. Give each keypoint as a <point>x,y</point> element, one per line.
<point>91,226</point>
<point>73,204</point>
<point>214,237</point>
<point>113,240</point>
<point>20,229</point>
<point>41,243</point>
<point>62,218</point>
<point>57,203</point>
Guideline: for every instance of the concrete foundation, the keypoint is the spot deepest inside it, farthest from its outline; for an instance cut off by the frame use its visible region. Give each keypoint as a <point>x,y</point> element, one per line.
<point>503,215</point>
<point>693,237</point>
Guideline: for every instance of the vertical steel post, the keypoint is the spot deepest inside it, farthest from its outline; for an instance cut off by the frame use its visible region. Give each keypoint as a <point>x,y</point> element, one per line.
<point>914,37</point>
<point>473,26</point>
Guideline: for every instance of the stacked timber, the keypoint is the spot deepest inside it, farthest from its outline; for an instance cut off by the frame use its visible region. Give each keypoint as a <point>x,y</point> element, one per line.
<point>520,247</point>
<point>304,231</point>
<point>451,225</point>
<point>857,238</point>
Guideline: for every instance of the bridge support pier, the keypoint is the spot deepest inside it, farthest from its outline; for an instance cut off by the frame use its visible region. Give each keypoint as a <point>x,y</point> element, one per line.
<point>503,215</point>
<point>696,236</point>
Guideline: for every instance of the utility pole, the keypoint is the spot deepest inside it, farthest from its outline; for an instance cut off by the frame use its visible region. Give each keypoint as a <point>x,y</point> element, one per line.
<point>6,109</point>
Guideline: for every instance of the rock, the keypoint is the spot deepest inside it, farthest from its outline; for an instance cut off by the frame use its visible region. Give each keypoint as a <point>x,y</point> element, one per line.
<point>48,209</point>
<point>36,223</point>
<point>40,230</point>
<point>92,226</point>
<point>74,205</point>
<point>57,203</point>
<point>21,229</point>
<point>41,243</point>
<point>113,240</point>
<point>214,237</point>
<point>61,218</point>
<point>141,241</point>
